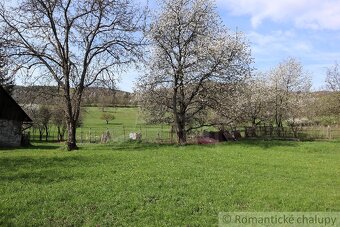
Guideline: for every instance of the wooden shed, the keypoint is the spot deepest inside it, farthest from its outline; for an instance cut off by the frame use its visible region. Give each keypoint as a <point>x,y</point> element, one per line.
<point>12,118</point>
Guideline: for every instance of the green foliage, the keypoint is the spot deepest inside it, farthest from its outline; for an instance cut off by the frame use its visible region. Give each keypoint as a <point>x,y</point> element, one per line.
<point>133,184</point>
<point>326,108</point>
<point>329,120</point>
<point>107,117</point>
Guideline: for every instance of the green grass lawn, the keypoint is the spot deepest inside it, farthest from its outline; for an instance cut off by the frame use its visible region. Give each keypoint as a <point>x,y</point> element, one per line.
<point>126,120</point>
<point>129,117</point>
<point>127,184</point>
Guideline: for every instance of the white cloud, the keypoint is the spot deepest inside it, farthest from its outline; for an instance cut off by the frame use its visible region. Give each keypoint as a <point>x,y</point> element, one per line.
<point>311,14</point>
<point>279,43</point>
<point>271,48</point>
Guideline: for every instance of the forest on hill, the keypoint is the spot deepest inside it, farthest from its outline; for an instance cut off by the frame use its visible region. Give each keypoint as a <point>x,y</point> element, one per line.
<point>93,96</point>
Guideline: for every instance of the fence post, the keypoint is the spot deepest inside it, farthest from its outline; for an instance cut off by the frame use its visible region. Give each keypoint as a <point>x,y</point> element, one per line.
<point>329,132</point>
<point>81,135</point>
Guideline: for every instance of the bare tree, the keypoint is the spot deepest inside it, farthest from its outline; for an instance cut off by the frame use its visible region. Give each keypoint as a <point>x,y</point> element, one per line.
<point>42,117</point>
<point>58,119</point>
<point>6,81</point>
<point>73,43</point>
<point>192,54</point>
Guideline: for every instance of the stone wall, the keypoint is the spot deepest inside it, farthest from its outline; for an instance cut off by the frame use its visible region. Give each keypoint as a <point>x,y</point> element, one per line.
<point>10,133</point>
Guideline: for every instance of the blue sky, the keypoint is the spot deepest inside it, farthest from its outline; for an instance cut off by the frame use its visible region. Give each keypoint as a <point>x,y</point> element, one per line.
<point>308,30</point>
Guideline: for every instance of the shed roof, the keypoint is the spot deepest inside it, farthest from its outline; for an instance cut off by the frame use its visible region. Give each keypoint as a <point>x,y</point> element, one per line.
<point>10,109</point>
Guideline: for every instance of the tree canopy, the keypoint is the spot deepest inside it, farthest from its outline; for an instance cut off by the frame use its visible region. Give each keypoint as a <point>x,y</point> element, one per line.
<point>192,55</point>
<point>75,44</point>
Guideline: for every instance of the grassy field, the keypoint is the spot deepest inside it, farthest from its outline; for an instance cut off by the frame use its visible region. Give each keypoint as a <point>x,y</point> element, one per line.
<point>131,120</point>
<point>126,184</point>
<point>126,120</point>
<point>129,117</point>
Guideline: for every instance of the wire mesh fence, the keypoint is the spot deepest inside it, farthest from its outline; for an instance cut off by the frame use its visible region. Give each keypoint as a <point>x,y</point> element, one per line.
<point>121,133</point>
<point>298,132</point>
<point>164,134</point>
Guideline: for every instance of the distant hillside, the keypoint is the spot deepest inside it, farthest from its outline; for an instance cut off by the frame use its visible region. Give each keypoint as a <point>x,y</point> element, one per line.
<point>35,94</point>
<point>94,96</point>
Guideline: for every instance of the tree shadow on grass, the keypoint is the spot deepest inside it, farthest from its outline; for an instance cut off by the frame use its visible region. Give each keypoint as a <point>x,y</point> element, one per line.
<point>135,146</point>
<point>108,110</point>
<point>264,144</point>
<point>41,162</point>
<point>45,176</point>
<point>267,144</point>
<point>42,146</point>
<point>114,123</point>
<point>36,146</point>
<point>39,169</point>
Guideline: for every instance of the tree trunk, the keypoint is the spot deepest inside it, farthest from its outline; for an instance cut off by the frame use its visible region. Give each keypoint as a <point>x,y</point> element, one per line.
<point>72,116</point>
<point>181,132</point>
<point>58,134</point>
<point>279,127</point>
<point>46,135</point>
<point>40,135</point>
<point>71,141</point>
<point>278,121</point>
<point>179,111</point>
<point>62,134</point>
<point>182,136</point>
<point>253,122</point>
